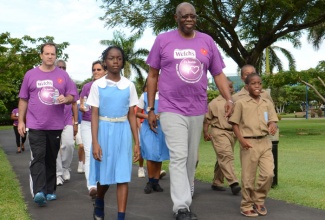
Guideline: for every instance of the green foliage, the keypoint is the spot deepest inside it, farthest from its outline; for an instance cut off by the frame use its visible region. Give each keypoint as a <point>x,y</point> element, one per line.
<point>17,56</point>
<point>212,94</point>
<point>232,24</point>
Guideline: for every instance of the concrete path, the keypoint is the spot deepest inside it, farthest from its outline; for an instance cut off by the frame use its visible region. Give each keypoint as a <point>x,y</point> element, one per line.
<point>73,202</point>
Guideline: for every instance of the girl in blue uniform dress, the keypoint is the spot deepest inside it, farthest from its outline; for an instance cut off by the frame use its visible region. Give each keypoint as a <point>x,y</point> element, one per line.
<point>153,145</point>
<point>112,98</point>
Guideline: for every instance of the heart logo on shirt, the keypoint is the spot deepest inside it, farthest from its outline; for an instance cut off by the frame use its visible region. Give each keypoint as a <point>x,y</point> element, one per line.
<point>194,69</point>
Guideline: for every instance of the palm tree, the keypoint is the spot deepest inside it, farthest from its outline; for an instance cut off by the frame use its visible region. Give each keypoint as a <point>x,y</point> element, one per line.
<point>134,58</point>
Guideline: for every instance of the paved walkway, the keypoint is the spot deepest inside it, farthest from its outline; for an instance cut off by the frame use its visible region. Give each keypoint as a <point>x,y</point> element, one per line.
<point>74,203</point>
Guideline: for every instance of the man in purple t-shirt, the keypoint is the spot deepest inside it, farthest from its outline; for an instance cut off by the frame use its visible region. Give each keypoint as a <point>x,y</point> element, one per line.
<point>43,93</point>
<point>181,59</point>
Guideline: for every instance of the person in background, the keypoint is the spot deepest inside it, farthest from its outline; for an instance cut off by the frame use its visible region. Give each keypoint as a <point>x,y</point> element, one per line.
<point>20,141</point>
<point>44,92</point>
<point>253,119</point>
<point>223,141</point>
<point>113,123</point>
<point>181,58</point>
<point>141,171</point>
<point>81,151</point>
<point>98,71</point>
<point>153,146</point>
<point>65,155</point>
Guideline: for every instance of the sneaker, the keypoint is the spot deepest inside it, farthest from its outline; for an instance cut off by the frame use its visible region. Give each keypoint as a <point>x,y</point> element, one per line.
<point>50,197</point>
<point>141,173</point>
<point>249,213</point>
<point>40,199</point>
<point>93,193</point>
<point>148,189</point>
<point>260,209</point>
<point>81,167</point>
<point>235,188</point>
<point>162,174</point>
<point>156,187</point>
<point>183,214</point>
<point>218,188</point>
<point>66,175</point>
<point>59,181</point>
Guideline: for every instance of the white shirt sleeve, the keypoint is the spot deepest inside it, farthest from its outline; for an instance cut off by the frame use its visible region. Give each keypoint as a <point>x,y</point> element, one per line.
<point>133,95</point>
<point>93,97</point>
<point>141,101</point>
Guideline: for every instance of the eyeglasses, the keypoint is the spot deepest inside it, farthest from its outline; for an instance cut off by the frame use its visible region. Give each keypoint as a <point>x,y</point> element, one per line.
<point>62,67</point>
<point>193,17</point>
<point>97,70</point>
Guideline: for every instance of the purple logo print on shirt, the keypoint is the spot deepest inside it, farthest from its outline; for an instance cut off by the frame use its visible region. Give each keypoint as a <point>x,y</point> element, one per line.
<point>48,95</point>
<point>190,68</point>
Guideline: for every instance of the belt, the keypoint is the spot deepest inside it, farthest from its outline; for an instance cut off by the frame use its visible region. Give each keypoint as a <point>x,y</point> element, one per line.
<point>226,129</point>
<point>120,119</point>
<point>255,137</point>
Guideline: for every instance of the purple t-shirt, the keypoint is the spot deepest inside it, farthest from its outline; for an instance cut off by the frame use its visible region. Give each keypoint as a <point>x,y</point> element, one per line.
<point>183,65</point>
<point>86,116</point>
<point>15,112</point>
<point>38,88</point>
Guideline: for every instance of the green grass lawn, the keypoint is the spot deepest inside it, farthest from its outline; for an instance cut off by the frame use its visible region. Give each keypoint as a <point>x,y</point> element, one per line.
<point>301,168</point>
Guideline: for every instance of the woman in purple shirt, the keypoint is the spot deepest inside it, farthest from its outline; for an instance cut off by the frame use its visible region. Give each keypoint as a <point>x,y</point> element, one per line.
<point>20,145</point>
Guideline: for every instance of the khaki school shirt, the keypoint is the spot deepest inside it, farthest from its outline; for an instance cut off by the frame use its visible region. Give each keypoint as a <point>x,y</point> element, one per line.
<point>243,93</point>
<point>252,117</point>
<point>216,114</point>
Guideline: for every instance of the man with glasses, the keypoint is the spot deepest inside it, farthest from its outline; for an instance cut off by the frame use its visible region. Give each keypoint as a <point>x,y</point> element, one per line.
<point>65,154</point>
<point>181,59</point>
<point>45,91</point>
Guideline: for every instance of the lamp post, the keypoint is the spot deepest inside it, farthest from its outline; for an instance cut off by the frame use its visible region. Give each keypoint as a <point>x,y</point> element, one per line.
<point>306,102</point>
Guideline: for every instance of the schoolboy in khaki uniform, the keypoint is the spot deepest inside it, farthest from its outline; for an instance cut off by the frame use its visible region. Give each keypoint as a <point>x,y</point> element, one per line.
<point>244,72</point>
<point>253,119</point>
<point>223,141</point>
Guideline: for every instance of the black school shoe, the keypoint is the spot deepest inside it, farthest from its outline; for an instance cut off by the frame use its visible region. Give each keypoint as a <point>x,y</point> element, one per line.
<point>218,188</point>
<point>156,187</point>
<point>235,188</point>
<point>148,189</point>
<point>184,214</point>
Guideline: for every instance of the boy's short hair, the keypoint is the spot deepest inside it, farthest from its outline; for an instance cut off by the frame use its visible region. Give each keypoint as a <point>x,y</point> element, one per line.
<point>248,78</point>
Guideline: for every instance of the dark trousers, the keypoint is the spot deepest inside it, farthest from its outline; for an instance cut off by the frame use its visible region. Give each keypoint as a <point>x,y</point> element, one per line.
<point>23,139</point>
<point>44,145</point>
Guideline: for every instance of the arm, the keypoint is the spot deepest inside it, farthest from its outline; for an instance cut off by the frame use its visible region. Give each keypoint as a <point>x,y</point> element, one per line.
<point>13,116</point>
<point>22,109</point>
<point>97,151</point>
<point>152,88</point>
<point>75,118</point>
<point>133,124</point>
<point>222,84</point>
<point>243,143</point>
<point>206,134</point>
<point>272,127</point>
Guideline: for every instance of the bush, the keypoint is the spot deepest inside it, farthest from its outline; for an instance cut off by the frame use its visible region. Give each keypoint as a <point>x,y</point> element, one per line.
<point>319,113</point>
<point>5,120</point>
<point>279,117</point>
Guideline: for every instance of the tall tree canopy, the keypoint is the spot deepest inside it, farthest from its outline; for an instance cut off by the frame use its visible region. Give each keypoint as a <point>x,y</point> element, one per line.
<point>17,55</point>
<point>233,24</point>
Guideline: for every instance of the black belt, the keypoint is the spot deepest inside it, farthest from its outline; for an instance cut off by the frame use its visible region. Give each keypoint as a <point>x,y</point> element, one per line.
<point>255,137</point>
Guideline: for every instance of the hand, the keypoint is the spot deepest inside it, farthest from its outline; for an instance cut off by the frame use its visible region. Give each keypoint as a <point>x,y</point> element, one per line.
<point>62,99</point>
<point>245,144</point>
<point>136,153</point>
<point>229,108</point>
<point>207,136</point>
<point>152,121</point>
<point>97,152</point>
<point>21,129</point>
<point>272,128</point>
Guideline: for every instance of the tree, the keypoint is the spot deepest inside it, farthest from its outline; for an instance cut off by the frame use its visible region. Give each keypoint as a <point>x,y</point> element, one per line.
<point>17,56</point>
<point>134,58</point>
<point>232,24</point>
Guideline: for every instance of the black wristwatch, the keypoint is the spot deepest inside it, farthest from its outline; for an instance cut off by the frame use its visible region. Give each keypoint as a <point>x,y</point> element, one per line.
<point>150,109</point>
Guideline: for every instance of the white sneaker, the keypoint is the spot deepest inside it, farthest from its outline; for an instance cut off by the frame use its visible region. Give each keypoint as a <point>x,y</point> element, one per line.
<point>81,167</point>
<point>162,174</point>
<point>59,181</point>
<point>141,172</point>
<point>66,175</point>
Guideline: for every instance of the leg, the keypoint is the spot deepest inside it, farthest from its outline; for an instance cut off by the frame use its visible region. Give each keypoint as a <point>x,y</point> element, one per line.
<point>67,148</point>
<point>99,201</point>
<point>53,140</point>
<point>17,139</point>
<point>122,196</point>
